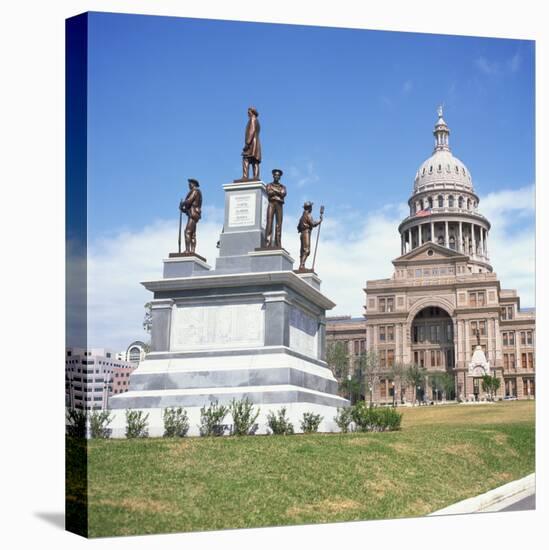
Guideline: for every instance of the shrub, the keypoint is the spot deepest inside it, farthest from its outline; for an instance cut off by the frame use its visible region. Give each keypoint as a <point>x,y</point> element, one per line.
<point>279,424</point>
<point>371,419</point>
<point>211,419</point>
<point>311,422</point>
<point>99,422</point>
<point>176,422</point>
<point>136,424</point>
<point>243,417</point>
<point>343,418</point>
<point>76,423</point>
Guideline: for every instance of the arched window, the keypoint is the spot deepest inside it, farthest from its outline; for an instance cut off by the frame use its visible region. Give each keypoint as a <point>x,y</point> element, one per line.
<point>460,202</point>
<point>134,354</point>
<point>430,202</point>
<point>440,167</point>
<point>430,169</point>
<point>440,201</point>
<point>423,171</point>
<point>468,204</point>
<point>447,168</point>
<point>451,201</point>
<point>421,204</point>
<point>457,170</point>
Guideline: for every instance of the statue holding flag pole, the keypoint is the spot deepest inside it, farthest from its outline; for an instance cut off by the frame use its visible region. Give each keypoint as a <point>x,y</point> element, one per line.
<point>305,226</point>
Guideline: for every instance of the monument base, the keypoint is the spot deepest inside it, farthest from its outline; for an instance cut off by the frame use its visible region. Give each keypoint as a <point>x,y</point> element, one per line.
<point>185,265</point>
<point>186,255</point>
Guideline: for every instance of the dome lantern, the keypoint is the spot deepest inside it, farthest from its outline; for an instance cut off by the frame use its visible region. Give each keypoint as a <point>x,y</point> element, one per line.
<point>441,133</point>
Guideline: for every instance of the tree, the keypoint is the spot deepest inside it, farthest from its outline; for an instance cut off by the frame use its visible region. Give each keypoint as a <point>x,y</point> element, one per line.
<point>490,384</point>
<point>368,363</point>
<point>415,376</point>
<point>338,361</point>
<point>147,321</point>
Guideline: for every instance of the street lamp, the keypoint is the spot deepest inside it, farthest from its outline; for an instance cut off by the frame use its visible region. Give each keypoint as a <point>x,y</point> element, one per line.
<point>418,388</point>
<point>393,385</point>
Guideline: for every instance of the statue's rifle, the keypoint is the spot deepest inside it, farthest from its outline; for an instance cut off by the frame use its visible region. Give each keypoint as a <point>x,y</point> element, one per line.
<point>180,220</point>
<point>318,235</point>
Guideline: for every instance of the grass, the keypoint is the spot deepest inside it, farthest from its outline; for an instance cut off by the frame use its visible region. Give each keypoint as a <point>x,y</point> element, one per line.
<point>441,455</point>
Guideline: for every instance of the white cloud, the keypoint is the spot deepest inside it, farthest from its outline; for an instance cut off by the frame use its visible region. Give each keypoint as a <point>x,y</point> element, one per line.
<point>305,176</point>
<point>510,65</point>
<point>349,253</point>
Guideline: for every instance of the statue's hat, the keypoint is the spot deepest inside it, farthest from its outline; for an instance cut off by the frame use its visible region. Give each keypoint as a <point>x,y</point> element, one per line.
<point>308,204</point>
<point>277,171</point>
<point>191,180</point>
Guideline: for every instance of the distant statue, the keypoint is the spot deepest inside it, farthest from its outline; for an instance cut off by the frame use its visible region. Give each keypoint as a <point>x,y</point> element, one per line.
<point>276,192</point>
<point>192,207</point>
<point>305,226</point>
<point>251,153</point>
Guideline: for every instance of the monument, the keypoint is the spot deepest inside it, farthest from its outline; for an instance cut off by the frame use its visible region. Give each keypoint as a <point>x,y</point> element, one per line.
<point>249,328</point>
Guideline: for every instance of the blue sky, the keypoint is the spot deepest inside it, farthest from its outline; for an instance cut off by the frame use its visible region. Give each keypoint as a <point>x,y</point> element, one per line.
<point>347,114</point>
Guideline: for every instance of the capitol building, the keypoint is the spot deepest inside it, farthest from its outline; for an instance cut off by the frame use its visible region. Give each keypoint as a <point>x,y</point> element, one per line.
<point>444,308</point>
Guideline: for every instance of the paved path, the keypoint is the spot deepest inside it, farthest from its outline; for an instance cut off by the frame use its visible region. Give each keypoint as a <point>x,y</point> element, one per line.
<point>527,503</point>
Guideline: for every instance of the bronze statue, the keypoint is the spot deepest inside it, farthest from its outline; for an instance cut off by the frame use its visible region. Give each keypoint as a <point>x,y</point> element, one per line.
<point>251,153</point>
<point>192,206</point>
<point>276,192</point>
<point>305,226</point>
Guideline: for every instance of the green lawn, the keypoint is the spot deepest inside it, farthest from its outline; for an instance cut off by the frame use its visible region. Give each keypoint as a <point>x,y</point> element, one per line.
<point>441,455</point>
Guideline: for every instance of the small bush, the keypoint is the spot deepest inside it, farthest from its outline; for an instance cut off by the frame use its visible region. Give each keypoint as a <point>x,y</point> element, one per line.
<point>343,418</point>
<point>372,419</point>
<point>311,422</point>
<point>76,423</point>
<point>243,417</point>
<point>99,422</point>
<point>176,422</point>
<point>211,419</point>
<point>136,424</point>
<point>279,424</point>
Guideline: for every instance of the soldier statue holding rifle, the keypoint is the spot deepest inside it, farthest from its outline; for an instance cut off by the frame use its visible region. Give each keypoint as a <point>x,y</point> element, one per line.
<point>192,207</point>
<point>305,226</point>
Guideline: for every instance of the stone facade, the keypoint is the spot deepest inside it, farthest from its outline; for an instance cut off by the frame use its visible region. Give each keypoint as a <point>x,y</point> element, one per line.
<point>444,298</point>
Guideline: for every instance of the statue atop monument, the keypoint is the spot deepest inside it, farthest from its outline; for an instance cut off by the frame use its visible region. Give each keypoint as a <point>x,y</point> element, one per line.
<point>192,207</point>
<point>251,152</point>
<point>304,227</point>
<point>276,192</point>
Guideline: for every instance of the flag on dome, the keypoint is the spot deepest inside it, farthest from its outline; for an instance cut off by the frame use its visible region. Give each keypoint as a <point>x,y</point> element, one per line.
<point>423,213</point>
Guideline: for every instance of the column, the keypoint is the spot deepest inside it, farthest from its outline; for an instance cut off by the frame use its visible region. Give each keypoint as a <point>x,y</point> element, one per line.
<point>446,237</point>
<point>482,242</point>
<point>419,235</point>
<point>486,243</point>
<point>432,232</point>
<point>409,239</point>
<point>473,240</point>
<point>402,244</point>
<point>460,248</point>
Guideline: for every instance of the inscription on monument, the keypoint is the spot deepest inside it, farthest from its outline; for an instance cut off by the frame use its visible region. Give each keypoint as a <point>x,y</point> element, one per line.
<point>242,210</point>
<point>220,326</point>
<point>264,206</point>
<point>303,332</point>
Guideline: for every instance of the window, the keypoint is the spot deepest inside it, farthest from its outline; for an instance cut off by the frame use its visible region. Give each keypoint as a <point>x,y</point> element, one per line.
<point>440,201</point>
<point>356,347</point>
<point>362,346</point>
<point>390,357</point>
<point>477,298</point>
<point>480,326</point>
<point>390,333</point>
<point>529,338</point>
<point>460,201</point>
<point>430,202</point>
<point>506,361</point>
<point>451,201</point>
<point>382,334</point>
<point>452,242</point>
<point>506,313</point>
<point>524,358</point>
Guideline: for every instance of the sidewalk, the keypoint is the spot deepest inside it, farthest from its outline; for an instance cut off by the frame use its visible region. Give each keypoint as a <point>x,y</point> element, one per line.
<point>495,500</point>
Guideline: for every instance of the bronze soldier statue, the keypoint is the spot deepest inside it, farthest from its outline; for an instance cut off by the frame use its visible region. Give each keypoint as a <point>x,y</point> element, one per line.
<point>251,153</point>
<point>192,206</point>
<point>276,192</point>
<point>305,226</point>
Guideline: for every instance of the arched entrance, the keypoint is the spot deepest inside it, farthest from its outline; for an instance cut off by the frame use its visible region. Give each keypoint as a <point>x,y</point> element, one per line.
<point>432,347</point>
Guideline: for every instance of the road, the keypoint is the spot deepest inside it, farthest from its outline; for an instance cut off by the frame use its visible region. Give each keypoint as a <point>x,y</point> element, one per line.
<point>527,503</point>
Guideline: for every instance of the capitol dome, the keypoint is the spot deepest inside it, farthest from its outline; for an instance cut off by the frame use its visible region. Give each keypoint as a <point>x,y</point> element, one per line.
<point>442,169</point>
